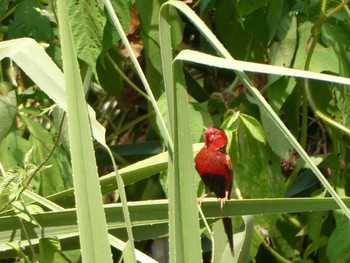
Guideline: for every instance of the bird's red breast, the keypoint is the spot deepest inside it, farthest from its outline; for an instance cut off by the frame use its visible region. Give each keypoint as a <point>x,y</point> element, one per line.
<point>213,164</point>
<point>215,168</point>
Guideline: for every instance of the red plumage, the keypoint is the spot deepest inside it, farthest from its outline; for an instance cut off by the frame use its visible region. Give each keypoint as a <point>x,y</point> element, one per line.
<point>215,169</point>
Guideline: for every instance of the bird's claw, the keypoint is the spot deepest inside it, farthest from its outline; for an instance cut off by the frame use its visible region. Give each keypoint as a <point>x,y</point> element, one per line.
<point>222,202</point>
<point>200,199</point>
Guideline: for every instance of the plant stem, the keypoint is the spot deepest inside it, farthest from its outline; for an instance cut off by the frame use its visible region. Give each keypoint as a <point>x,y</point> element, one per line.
<point>273,252</point>
<point>126,79</point>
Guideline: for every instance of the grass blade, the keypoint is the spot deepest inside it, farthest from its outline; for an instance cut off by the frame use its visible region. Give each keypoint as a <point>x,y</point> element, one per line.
<point>184,234</point>
<point>92,225</point>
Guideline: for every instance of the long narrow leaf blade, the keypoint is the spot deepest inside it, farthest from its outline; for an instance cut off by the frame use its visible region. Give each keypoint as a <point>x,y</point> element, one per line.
<point>184,234</point>
<point>93,232</point>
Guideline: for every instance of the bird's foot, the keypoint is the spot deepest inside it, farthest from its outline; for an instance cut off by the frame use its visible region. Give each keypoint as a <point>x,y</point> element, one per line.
<point>222,202</point>
<point>200,199</point>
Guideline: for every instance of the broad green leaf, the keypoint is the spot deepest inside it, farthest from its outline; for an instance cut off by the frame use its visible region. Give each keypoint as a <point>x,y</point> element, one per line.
<point>282,147</point>
<point>291,108</point>
<point>29,22</point>
<point>274,17</point>
<point>282,52</point>
<point>338,247</point>
<point>314,224</point>
<point>229,27</point>
<point>332,100</point>
<point>12,149</point>
<point>279,91</point>
<point>315,247</point>
<point>7,112</point>
<point>284,237</point>
<point>22,212</point>
<point>323,59</point>
<point>110,34</point>
<point>256,24</point>
<point>48,246</point>
<point>232,122</point>
<point>253,126</point>
<point>87,22</point>
<point>254,162</point>
<point>246,7</point>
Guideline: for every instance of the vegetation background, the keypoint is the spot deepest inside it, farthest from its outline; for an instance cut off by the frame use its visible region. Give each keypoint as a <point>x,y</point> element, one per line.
<point>153,106</point>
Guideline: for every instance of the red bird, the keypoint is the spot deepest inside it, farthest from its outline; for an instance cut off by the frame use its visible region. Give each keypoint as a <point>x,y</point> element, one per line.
<point>215,169</point>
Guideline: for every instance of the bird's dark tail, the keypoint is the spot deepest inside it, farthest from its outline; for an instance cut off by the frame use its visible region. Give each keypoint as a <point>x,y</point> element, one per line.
<point>229,232</point>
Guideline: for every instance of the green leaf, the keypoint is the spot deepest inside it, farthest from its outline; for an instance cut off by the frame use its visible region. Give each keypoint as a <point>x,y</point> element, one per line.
<point>282,147</point>
<point>254,162</point>
<point>229,27</point>
<point>12,149</point>
<point>28,22</point>
<point>7,112</point>
<point>246,7</point>
<point>291,108</point>
<point>221,249</point>
<point>48,246</point>
<point>338,246</point>
<point>273,17</point>
<point>314,225</point>
<point>253,126</point>
<point>232,121</point>
<point>110,34</point>
<point>279,91</point>
<point>21,211</point>
<point>87,22</point>
<point>284,238</point>
<point>323,59</point>
<point>256,24</point>
<point>314,247</point>
<point>282,52</point>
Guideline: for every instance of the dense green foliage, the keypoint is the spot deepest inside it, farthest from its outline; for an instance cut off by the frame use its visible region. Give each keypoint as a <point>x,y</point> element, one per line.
<point>295,218</point>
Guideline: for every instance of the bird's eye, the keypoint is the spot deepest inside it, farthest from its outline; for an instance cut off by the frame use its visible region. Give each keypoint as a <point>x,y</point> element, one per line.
<point>217,133</point>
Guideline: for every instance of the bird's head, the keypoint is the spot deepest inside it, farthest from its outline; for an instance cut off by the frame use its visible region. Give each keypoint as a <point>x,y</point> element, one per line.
<point>215,138</point>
